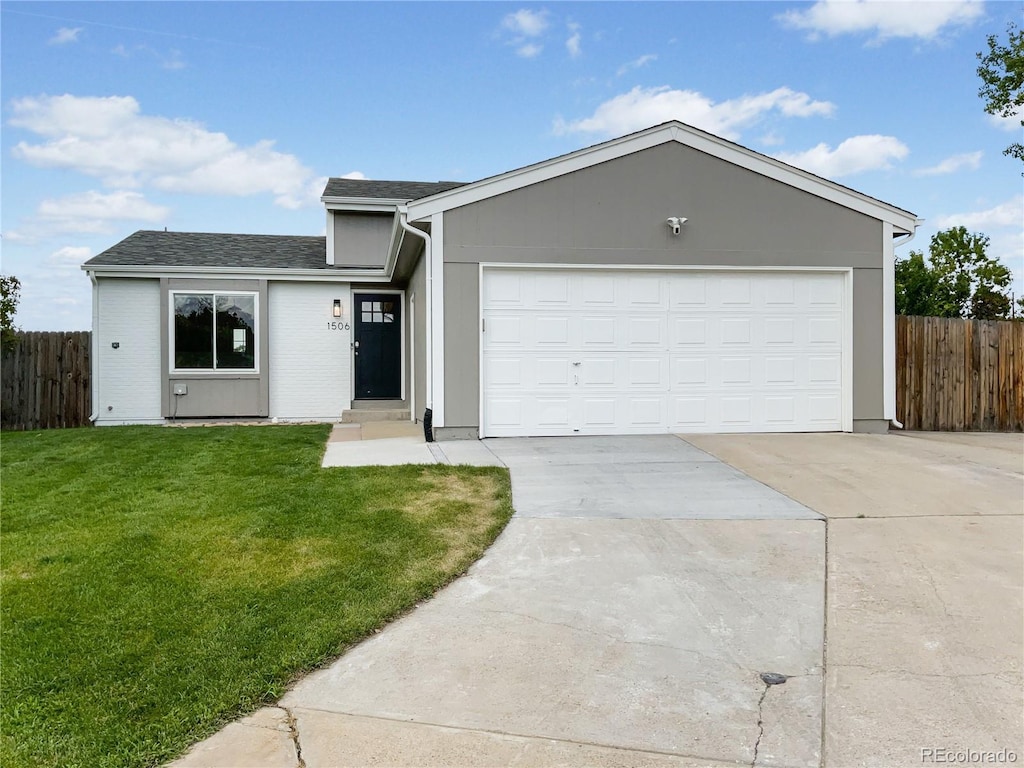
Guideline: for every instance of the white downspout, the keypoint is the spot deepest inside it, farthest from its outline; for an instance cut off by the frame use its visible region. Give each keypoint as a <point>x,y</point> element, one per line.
<point>412,358</point>
<point>403,215</point>
<point>94,363</point>
<point>910,236</point>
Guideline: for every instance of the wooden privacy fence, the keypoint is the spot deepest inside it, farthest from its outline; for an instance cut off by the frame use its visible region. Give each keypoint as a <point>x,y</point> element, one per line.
<point>44,381</point>
<point>957,375</point>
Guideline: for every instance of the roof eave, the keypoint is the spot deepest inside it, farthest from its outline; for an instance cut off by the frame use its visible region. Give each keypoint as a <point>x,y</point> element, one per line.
<point>425,207</point>
<point>138,270</point>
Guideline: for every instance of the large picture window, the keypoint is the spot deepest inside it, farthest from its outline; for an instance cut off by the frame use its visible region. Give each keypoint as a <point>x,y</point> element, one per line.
<point>215,331</point>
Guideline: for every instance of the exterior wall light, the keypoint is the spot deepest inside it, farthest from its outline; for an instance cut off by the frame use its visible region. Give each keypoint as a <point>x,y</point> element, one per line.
<point>337,307</point>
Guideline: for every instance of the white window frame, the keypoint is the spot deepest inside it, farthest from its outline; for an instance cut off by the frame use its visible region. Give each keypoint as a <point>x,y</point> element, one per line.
<point>214,371</point>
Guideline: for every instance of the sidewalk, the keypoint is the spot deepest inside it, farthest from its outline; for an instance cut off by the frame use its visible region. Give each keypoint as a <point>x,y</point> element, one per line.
<point>389,443</point>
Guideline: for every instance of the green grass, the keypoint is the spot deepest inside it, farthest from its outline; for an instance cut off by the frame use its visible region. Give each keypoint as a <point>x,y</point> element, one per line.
<point>157,583</point>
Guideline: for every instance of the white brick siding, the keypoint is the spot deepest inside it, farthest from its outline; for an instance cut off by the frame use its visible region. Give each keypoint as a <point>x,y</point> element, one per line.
<point>310,364</point>
<point>128,378</point>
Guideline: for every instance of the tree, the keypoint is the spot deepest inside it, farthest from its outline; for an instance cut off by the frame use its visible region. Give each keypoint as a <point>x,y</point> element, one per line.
<point>917,287</point>
<point>959,279</point>
<point>10,293</point>
<point>1002,77</point>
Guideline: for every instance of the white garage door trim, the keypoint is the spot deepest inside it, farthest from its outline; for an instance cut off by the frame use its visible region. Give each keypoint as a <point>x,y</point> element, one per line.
<point>846,319</point>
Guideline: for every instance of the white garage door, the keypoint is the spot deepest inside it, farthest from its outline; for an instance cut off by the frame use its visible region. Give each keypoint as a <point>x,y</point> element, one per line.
<point>604,352</point>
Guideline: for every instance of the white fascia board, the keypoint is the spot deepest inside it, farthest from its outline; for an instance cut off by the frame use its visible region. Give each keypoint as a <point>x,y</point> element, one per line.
<point>394,245</point>
<point>675,131</point>
<point>296,275</point>
<point>361,204</point>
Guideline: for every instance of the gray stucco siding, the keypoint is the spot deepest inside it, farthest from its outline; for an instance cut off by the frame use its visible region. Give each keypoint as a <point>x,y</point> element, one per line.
<point>461,345</point>
<point>868,373</point>
<point>361,239</point>
<point>614,213</point>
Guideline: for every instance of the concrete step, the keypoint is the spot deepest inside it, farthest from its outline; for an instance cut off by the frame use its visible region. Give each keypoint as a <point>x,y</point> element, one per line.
<point>362,415</point>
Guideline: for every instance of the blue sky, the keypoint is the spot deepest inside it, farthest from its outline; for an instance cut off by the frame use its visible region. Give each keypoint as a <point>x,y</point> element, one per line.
<point>227,117</point>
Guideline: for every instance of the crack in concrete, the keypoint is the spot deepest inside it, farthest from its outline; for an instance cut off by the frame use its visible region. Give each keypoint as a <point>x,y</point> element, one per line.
<point>760,723</point>
<point>293,730</point>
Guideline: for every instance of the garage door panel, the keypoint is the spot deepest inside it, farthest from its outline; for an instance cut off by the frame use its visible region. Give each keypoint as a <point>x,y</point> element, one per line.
<point>585,352</point>
<point>734,331</point>
<point>549,331</point>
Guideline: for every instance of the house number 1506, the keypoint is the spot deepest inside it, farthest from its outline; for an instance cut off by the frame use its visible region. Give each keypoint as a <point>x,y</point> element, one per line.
<point>334,325</point>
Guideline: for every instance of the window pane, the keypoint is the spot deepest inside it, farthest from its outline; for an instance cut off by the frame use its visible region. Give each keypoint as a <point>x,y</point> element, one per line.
<point>366,306</point>
<point>388,317</point>
<point>193,330</point>
<point>236,323</point>
<point>367,317</point>
<point>376,306</point>
<point>377,317</point>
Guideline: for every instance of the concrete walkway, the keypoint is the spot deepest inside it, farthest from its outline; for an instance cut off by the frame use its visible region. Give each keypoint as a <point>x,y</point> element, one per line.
<point>388,443</point>
<point>656,606</point>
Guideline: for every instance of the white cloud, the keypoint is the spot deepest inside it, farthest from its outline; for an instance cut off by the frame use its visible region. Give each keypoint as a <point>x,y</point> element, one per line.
<point>87,213</point>
<point>884,19</point>
<point>526,23</point>
<point>1010,122</point>
<point>525,27</point>
<point>572,44</point>
<point>644,107</point>
<point>969,161</point>
<point>109,138</point>
<point>855,155</point>
<point>1008,214</point>
<point>353,175</point>
<point>771,139</point>
<point>122,205</point>
<point>65,35</point>
<point>642,61</point>
<point>70,254</point>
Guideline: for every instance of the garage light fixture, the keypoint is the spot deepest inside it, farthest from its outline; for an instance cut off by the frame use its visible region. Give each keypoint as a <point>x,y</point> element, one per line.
<point>337,307</point>
<point>676,222</point>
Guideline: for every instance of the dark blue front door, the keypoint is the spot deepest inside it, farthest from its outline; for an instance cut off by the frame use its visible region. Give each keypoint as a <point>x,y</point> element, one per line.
<point>378,345</point>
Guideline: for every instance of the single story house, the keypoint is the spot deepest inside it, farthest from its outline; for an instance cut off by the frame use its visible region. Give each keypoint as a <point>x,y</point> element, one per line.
<point>665,281</point>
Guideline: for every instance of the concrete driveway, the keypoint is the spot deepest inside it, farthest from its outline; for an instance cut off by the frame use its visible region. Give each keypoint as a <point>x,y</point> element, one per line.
<point>652,604</point>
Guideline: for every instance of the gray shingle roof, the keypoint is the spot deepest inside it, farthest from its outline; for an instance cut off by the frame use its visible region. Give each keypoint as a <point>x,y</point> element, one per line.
<point>387,190</point>
<point>207,249</point>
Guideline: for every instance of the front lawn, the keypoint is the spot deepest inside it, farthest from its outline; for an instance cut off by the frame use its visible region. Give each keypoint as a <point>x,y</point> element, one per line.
<point>157,582</point>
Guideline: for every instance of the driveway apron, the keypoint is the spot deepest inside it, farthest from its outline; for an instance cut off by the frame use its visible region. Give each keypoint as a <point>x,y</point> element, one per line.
<point>646,605</point>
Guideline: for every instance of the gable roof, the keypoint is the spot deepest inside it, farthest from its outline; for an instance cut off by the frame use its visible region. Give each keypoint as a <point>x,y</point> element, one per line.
<point>902,220</point>
<point>148,248</point>
<point>368,189</point>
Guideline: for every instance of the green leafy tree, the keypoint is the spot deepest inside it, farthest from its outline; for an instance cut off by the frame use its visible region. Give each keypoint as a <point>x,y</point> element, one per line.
<point>10,294</point>
<point>1002,77</point>
<point>959,279</point>
<point>917,287</point>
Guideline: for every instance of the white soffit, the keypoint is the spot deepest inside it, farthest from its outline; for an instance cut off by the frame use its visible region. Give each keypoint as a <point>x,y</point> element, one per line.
<point>661,134</point>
